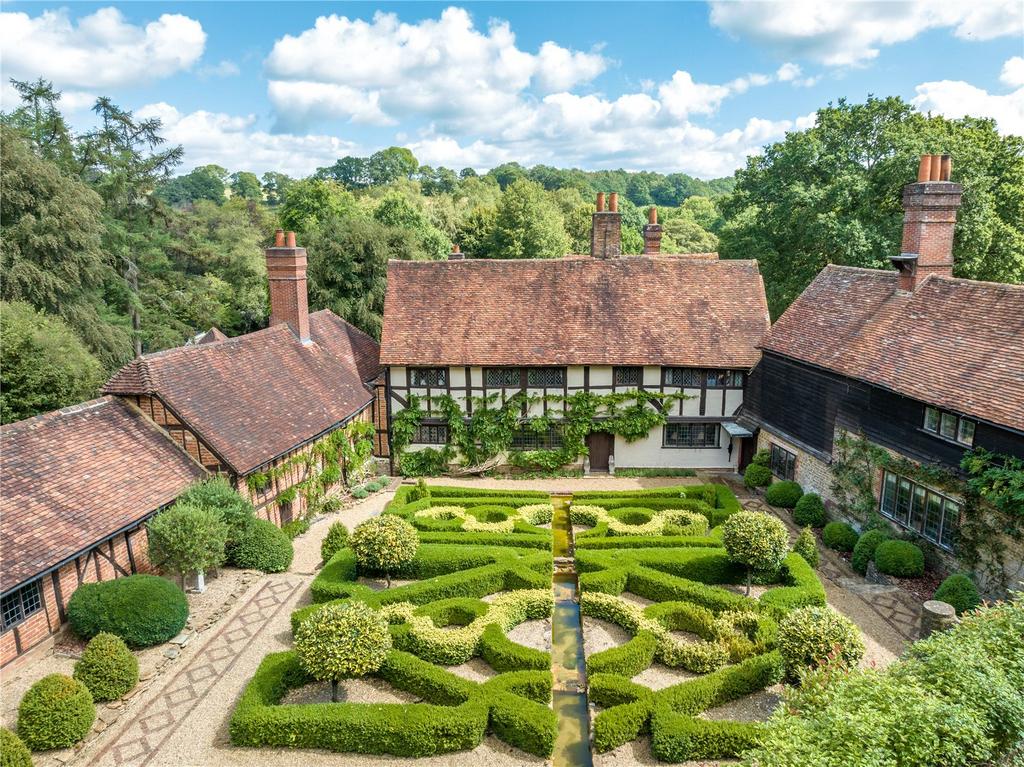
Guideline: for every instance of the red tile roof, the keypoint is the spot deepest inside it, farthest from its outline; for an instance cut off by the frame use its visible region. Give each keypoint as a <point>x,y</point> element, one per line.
<point>956,344</point>
<point>73,477</point>
<point>633,310</point>
<point>257,396</point>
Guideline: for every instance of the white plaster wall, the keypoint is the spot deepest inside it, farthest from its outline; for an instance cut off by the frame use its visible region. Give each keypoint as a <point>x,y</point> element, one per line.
<point>649,453</point>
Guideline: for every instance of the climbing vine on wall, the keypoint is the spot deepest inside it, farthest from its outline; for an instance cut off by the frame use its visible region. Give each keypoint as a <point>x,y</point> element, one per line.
<point>991,486</point>
<point>489,429</point>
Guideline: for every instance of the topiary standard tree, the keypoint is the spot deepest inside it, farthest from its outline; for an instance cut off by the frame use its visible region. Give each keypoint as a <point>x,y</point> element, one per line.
<point>236,512</point>
<point>56,712</point>
<point>384,544</point>
<point>757,541</point>
<point>188,538</point>
<point>107,667</point>
<point>809,636</point>
<point>340,641</point>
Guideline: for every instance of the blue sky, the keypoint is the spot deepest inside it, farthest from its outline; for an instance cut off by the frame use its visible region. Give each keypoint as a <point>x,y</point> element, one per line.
<point>692,87</point>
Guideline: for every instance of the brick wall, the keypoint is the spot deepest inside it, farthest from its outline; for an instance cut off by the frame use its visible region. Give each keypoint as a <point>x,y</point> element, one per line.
<point>810,471</point>
<point>36,633</point>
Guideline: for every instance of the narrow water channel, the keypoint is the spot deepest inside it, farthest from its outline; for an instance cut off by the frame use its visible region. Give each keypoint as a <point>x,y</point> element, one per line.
<point>568,665</point>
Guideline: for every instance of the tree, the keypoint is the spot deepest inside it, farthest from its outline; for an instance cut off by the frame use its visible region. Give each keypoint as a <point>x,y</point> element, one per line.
<point>233,510</point>
<point>389,165</point>
<point>275,187</point>
<point>703,211</point>
<point>475,233</point>
<point>45,365</point>
<point>755,540</point>
<point>39,120</point>
<point>528,225</point>
<point>246,185</point>
<point>384,544</point>
<point>396,211</point>
<point>340,641</point>
<point>187,538</point>
<point>205,183</point>
<point>310,202</point>
<point>832,194</point>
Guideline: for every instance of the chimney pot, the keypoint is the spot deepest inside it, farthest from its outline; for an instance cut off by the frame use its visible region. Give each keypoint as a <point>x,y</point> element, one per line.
<point>279,238</point>
<point>925,168</point>
<point>455,248</point>
<point>290,239</point>
<point>613,202</point>
<point>947,167</point>
<point>936,172</point>
<point>652,215</point>
<point>600,202</point>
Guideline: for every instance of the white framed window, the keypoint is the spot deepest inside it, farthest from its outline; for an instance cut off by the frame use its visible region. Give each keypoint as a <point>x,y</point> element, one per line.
<point>948,425</point>
<point>916,507</point>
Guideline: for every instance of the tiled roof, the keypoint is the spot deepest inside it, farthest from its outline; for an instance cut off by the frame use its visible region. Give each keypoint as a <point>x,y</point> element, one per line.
<point>257,396</point>
<point>957,344</point>
<point>633,310</point>
<point>73,477</point>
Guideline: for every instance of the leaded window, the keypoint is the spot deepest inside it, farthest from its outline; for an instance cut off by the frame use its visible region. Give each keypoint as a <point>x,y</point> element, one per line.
<point>921,509</point>
<point>431,434</point>
<point>686,377</point>
<point>423,377</point>
<point>503,377</point>
<point>627,376</point>
<point>529,439</point>
<point>20,604</point>
<point>691,435</point>
<point>545,377</point>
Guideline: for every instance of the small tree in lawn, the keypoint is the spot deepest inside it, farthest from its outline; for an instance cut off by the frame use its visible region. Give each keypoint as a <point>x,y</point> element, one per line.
<point>187,538</point>
<point>755,540</point>
<point>340,641</point>
<point>384,544</point>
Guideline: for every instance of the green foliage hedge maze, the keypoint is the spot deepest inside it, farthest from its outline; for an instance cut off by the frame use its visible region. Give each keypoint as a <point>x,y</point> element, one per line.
<point>736,651</point>
<point>438,619</point>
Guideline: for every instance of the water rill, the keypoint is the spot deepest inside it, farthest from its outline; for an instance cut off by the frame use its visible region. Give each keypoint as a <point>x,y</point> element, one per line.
<point>568,666</point>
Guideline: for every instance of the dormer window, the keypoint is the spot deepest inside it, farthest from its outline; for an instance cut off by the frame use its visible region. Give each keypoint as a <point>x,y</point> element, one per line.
<point>949,426</point>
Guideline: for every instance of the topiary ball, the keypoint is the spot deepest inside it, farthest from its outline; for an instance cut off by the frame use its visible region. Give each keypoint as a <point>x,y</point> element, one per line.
<point>785,494</point>
<point>807,547</point>
<point>56,712</point>
<point>384,544</point>
<point>809,636</point>
<point>958,590</point>
<point>264,547</point>
<point>342,640</point>
<point>810,510</point>
<point>13,753</point>
<point>757,475</point>
<point>839,536</point>
<point>755,539</point>
<point>864,550</point>
<point>143,610</point>
<point>107,667</point>
<point>335,540</point>
<point>900,558</point>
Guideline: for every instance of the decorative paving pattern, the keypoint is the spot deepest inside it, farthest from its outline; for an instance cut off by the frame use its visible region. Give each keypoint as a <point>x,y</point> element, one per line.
<point>161,717</point>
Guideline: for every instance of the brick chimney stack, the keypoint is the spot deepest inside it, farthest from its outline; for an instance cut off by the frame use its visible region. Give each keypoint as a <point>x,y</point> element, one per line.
<point>456,254</point>
<point>652,233</point>
<point>286,272</point>
<point>606,230</point>
<point>929,219</point>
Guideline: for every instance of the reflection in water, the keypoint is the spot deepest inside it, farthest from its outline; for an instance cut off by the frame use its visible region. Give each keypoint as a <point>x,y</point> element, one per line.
<point>568,666</point>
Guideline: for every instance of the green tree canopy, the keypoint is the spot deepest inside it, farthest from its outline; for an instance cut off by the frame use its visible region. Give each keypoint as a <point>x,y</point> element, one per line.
<point>528,224</point>
<point>832,194</point>
<point>45,365</point>
<point>246,185</point>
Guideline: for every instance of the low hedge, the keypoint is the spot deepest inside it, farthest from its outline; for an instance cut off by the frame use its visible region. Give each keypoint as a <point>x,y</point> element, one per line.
<point>839,536</point>
<point>457,717</point>
<point>900,558</point>
<point>864,550</point>
<point>785,494</point>
<point>13,753</point>
<point>810,510</point>
<point>55,712</point>
<point>263,546</point>
<point>107,667</point>
<point>143,610</point>
<point>958,590</point>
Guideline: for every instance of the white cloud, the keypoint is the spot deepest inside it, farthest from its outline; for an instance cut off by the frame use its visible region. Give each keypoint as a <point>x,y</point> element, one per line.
<point>101,50</point>
<point>1013,72</point>
<point>843,33</point>
<point>443,69</point>
<point>235,143</point>
<point>224,68</point>
<point>955,98</point>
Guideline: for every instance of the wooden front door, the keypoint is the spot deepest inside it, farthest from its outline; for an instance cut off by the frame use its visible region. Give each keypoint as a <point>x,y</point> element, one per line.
<point>601,445</point>
<point>748,446</point>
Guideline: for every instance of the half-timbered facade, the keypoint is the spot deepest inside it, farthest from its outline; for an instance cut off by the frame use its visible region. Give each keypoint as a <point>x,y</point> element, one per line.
<point>77,487</point>
<point>919,363</point>
<point>475,330</point>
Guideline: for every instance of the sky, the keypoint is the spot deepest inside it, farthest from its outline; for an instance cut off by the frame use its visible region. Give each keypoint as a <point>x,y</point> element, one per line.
<point>692,87</point>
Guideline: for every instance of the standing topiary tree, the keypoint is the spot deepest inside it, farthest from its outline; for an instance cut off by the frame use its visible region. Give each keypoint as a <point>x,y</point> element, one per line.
<point>56,712</point>
<point>236,512</point>
<point>384,544</point>
<point>809,636</point>
<point>13,753</point>
<point>340,641</point>
<point>335,540</point>
<point>188,538</point>
<point>107,667</point>
<point>807,547</point>
<point>756,540</point>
